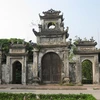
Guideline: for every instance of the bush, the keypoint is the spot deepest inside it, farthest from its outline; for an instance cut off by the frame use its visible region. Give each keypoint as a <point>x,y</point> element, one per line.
<point>30,96</point>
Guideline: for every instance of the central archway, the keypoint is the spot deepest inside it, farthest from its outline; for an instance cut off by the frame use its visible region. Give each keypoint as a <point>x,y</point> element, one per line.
<point>51,68</point>
<point>17,73</point>
<point>87,72</point>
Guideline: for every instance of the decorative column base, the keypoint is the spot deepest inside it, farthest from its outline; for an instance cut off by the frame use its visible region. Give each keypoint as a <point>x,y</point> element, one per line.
<point>65,80</point>
<point>24,83</point>
<point>79,83</point>
<point>36,81</point>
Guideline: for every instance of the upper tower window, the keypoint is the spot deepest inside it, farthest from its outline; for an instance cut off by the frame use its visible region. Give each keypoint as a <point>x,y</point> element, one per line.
<point>51,25</point>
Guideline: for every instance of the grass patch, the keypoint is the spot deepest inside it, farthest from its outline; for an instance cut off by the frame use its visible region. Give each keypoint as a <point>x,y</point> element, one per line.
<point>30,96</point>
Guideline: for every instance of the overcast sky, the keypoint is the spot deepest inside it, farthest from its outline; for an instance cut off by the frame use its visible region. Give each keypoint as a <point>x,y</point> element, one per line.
<point>17,17</point>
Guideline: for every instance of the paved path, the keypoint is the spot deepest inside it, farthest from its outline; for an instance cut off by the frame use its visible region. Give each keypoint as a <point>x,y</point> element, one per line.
<point>51,89</point>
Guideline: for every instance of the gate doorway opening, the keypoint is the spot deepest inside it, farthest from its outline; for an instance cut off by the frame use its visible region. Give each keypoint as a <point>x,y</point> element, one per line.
<point>51,68</point>
<point>87,72</point>
<point>17,73</point>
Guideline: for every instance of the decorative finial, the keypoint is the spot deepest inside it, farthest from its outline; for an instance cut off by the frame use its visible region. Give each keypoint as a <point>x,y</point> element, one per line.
<point>92,39</point>
<point>12,42</point>
<point>23,42</point>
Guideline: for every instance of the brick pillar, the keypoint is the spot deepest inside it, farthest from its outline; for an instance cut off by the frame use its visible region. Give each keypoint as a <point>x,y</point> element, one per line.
<point>65,75</point>
<point>35,65</point>
<point>0,66</point>
<point>24,71</point>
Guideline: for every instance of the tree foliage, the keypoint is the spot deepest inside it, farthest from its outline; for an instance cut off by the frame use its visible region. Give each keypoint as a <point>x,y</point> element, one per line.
<point>5,43</point>
<point>87,70</point>
<point>29,48</point>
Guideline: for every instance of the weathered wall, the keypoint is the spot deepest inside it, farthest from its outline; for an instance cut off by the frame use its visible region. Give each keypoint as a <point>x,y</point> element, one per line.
<point>5,74</point>
<point>29,73</point>
<point>72,72</point>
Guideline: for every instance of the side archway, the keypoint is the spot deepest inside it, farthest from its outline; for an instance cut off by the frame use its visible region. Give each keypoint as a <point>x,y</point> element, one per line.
<point>87,72</point>
<point>16,72</point>
<point>51,68</point>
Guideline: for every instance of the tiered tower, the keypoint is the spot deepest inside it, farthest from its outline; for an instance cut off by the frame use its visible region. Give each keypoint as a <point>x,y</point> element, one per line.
<point>50,60</point>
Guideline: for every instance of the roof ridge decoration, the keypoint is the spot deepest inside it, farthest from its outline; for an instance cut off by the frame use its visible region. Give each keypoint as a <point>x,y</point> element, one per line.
<point>86,42</point>
<point>51,11</point>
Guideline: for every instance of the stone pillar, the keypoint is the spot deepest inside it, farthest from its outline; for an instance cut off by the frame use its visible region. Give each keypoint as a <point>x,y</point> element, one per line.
<point>8,70</point>
<point>72,72</point>
<point>99,73</point>
<point>66,64</point>
<point>25,68</point>
<point>35,65</point>
<point>0,66</point>
<point>78,73</point>
<point>24,71</point>
<point>66,68</point>
<point>95,71</point>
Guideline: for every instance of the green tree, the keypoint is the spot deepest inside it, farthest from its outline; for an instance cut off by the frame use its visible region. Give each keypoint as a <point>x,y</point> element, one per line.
<point>87,70</point>
<point>29,48</point>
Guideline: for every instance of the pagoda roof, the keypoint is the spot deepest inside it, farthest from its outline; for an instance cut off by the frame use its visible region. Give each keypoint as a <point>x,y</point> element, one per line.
<point>51,14</point>
<point>51,11</point>
<point>85,43</point>
<point>50,32</point>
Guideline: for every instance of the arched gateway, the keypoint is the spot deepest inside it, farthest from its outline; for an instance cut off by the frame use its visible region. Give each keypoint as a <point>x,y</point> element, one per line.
<point>51,42</point>
<point>87,70</point>
<point>16,62</point>
<point>51,68</point>
<point>17,73</point>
